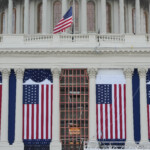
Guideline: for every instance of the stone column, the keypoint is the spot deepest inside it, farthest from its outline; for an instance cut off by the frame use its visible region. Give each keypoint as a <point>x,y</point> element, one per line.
<point>143,106</point>
<point>26,16</point>
<point>10,13</point>
<point>121,5</point>
<point>64,7</point>
<point>84,17</point>
<point>149,19</point>
<point>44,17</point>
<point>56,144</point>
<point>19,104</point>
<point>92,106</point>
<point>138,22</point>
<point>129,107</point>
<point>103,16</point>
<point>4,111</point>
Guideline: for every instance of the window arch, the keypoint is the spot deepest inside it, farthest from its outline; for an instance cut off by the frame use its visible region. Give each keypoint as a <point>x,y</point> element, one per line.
<point>108,17</point>
<point>133,20</point>
<point>90,16</point>
<point>57,10</point>
<point>14,21</point>
<point>39,18</point>
<point>2,23</point>
<point>76,15</point>
<point>145,22</point>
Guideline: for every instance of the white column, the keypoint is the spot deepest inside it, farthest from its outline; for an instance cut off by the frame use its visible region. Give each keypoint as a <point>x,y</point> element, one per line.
<point>83,16</point>
<point>4,113</point>
<point>103,16</point>
<point>10,12</point>
<point>64,7</point>
<point>44,17</point>
<point>143,106</point>
<point>26,16</point>
<point>19,103</point>
<point>138,22</point>
<point>6,21</point>
<point>92,106</point>
<point>149,18</point>
<point>121,5</point>
<point>56,144</point>
<point>129,107</point>
<point>18,18</point>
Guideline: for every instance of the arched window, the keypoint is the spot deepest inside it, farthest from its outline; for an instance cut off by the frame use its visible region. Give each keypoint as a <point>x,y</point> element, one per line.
<point>108,17</point>
<point>57,7</point>
<point>145,22</point>
<point>76,15</point>
<point>90,16</point>
<point>14,21</point>
<point>2,23</point>
<point>133,21</point>
<point>39,18</point>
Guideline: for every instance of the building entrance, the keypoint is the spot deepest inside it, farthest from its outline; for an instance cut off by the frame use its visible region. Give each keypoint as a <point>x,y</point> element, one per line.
<point>74,102</point>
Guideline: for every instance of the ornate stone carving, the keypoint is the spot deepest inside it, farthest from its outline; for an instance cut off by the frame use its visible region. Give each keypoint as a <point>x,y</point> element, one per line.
<point>92,72</point>
<point>128,72</point>
<point>142,72</point>
<point>19,73</point>
<point>56,72</point>
<point>5,73</point>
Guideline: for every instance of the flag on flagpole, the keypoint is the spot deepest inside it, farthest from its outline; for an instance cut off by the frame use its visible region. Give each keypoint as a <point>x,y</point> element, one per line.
<point>65,22</point>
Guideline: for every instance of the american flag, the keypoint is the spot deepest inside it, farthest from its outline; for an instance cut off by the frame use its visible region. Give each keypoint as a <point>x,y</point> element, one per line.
<point>65,22</point>
<point>37,110</point>
<point>111,109</point>
<point>0,100</point>
<point>148,105</point>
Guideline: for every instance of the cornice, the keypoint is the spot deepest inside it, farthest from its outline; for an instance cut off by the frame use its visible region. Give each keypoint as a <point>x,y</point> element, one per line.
<point>75,51</point>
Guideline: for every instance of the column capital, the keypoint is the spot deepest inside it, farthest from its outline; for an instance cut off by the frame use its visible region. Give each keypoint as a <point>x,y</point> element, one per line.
<point>92,72</point>
<point>56,72</point>
<point>142,72</point>
<point>19,73</point>
<point>128,72</point>
<point>5,73</point>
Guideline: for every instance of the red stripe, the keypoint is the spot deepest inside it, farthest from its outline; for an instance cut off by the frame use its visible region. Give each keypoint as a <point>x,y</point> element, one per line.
<point>47,106</point>
<point>111,123</point>
<point>62,23</point>
<point>97,120</point>
<point>0,105</point>
<point>42,111</point>
<point>23,123</point>
<point>37,121</point>
<point>125,107</point>
<point>120,108</point>
<point>51,108</point>
<point>148,121</point>
<point>27,121</point>
<point>32,119</point>
<point>115,101</point>
<point>106,121</point>
<point>101,109</point>
<point>66,25</point>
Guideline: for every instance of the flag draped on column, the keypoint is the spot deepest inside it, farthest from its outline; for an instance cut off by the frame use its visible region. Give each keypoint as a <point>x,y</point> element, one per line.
<point>111,105</point>
<point>136,105</point>
<point>148,100</point>
<point>12,106</point>
<point>0,100</point>
<point>37,107</point>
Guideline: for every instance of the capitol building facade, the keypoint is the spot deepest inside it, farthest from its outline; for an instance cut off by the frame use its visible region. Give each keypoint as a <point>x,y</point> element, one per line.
<point>98,72</point>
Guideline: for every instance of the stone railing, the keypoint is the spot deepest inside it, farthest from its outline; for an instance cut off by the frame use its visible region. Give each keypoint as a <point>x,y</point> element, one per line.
<point>1,38</point>
<point>114,145</point>
<point>37,37</point>
<point>75,37</point>
<point>111,37</point>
